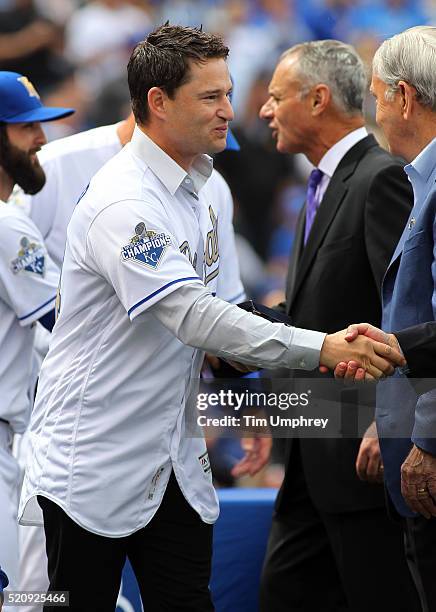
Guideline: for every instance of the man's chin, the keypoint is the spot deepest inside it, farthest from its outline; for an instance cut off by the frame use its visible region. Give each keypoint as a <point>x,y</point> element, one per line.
<point>280,146</point>
<point>33,182</point>
<point>217,146</point>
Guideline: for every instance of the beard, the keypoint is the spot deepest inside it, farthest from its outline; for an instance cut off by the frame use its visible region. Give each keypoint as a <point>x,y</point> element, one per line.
<point>24,171</point>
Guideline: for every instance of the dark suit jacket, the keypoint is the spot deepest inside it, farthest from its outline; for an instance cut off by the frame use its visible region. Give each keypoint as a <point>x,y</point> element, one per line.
<point>418,344</point>
<point>336,280</point>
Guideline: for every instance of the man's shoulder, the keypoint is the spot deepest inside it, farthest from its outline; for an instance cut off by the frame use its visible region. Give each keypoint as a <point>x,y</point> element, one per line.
<point>118,180</point>
<point>217,187</point>
<point>377,159</point>
<point>95,140</point>
<point>375,164</point>
<point>15,223</point>
<point>12,216</point>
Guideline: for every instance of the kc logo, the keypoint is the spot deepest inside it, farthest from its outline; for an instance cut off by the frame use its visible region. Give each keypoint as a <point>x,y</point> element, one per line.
<point>146,247</point>
<point>29,86</point>
<point>30,258</point>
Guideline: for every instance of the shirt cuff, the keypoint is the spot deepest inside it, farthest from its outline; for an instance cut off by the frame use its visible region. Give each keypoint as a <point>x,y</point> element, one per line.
<point>37,313</point>
<point>305,349</point>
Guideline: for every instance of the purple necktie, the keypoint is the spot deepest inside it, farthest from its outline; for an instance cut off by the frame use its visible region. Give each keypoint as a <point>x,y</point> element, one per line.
<point>311,201</point>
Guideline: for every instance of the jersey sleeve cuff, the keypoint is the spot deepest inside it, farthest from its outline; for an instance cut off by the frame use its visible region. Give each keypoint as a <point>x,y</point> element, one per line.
<point>37,313</point>
<point>305,349</point>
<point>235,299</point>
<point>154,297</point>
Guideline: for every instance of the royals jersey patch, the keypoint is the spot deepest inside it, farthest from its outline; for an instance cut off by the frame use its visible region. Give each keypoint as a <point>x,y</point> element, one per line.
<point>146,247</point>
<point>30,258</point>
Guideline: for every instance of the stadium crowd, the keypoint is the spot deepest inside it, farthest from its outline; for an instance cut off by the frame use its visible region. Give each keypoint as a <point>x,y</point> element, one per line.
<point>75,52</point>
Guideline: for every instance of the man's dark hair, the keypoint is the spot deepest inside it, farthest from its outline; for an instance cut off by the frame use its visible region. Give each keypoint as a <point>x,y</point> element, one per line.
<point>163,60</point>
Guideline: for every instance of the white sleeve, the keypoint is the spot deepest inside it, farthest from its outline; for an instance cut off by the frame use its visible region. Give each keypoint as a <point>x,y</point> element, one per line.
<point>198,319</point>
<point>131,243</point>
<point>229,286</point>
<point>28,276</point>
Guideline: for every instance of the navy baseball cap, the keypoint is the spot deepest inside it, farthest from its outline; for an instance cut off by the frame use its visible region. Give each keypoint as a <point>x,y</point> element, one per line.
<point>20,102</point>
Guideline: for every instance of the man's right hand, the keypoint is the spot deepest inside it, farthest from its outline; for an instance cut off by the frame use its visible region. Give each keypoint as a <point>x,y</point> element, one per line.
<point>375,356</point>
<point>351,370</point>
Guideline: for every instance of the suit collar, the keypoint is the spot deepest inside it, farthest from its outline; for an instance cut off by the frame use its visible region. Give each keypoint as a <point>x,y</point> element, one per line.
<point>422,175</point>
<point>331,160</point>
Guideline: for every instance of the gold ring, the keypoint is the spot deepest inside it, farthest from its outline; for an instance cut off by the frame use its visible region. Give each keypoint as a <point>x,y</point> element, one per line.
<point>423,493</point>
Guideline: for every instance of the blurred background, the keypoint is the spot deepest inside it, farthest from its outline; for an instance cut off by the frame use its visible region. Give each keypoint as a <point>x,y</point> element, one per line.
<point>75,52</point>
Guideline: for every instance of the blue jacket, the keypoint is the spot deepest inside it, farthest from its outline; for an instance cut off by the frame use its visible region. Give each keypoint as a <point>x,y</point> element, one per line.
<point>403,415</point>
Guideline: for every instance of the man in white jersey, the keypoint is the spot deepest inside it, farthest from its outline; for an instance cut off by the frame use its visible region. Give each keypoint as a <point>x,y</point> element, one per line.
<point>28,281</point>
<point>112,464</point>
<point>69,164</point>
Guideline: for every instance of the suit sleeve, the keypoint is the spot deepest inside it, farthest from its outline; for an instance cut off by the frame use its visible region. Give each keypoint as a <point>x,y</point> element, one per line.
<point>418,344</point>
<point>424,430</point>
<point>390,199</point>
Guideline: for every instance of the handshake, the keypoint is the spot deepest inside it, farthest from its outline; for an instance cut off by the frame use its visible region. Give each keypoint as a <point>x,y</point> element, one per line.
<point>361,352</point>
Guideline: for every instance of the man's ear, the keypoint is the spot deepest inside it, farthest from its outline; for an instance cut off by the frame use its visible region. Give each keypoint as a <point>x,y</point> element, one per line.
<point>157,99</point>
<point>320,98</point>
<point>407,98</point>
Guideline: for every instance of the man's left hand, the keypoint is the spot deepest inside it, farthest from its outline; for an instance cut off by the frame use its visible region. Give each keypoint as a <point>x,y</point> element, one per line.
<point>369,464</point>
<point>418,482</point>
<point>257,451</point>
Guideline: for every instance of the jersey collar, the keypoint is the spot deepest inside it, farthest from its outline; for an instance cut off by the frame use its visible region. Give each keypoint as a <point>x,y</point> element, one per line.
<point>165,168</point>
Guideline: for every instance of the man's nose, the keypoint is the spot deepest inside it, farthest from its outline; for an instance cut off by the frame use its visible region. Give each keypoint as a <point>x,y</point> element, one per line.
<point>227,110</point>
<point>266,111</point>
<point>40,137</point>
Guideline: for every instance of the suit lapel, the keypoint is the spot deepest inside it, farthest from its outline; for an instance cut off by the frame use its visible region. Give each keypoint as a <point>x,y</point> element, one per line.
<point>404,236</point>
<point>332,200</point>
<point>294,259</point>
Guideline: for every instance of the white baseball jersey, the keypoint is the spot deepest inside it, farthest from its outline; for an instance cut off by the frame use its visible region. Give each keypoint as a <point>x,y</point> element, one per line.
<point>69,163</point>
<point>28,282</point>
<point>117,386</point>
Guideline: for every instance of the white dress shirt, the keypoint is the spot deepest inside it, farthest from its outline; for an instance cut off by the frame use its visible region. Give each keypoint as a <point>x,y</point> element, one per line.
<point>330,160</point>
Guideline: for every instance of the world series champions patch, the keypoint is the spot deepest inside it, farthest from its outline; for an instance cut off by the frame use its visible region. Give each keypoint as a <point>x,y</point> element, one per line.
<point>30,258</point>
<point>146,247</point>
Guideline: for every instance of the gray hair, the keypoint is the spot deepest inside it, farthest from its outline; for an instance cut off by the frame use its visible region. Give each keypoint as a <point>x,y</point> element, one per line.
<point>410,57</point>
<point>338,66</point>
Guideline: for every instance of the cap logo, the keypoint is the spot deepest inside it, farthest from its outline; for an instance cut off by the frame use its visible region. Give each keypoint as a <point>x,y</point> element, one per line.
<point>28,85</point>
